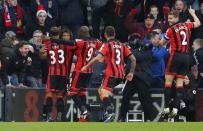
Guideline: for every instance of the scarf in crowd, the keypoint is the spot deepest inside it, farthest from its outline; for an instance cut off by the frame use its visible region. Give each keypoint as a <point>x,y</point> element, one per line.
<point>7,18</point>
<point>118,9</point>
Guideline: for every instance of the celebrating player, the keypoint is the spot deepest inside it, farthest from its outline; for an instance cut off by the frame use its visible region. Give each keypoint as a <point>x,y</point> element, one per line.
<point>60,54</point>
<point>114,53</point>
<point>85,50</point>
<point>178,63</point>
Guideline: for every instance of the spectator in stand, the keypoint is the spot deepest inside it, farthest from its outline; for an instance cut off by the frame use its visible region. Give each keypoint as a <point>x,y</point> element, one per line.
<point>7,50</point>
<point>12,17</point>
<point>197,33</point>
<point>7,45</point>
<point>34,71</point>
<point>158,3</point>
<point>16,65</point>
<point>3,75</point>
<point>114,14</point>
<point>181,7</point>
<point>50,6</point>
<point>1,9</point>
<point>40,24</point>
<point>159,55</point>
<point>141,28</point>
<point>71,15</point>
<point>25,4</point>
<point>198,59</point>
<point>66,34</point>
<point>155,12</point>
<point>94,18</point>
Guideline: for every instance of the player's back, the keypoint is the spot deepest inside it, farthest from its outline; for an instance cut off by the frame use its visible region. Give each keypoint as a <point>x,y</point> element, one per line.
<point>85,50</point>
<point>115,52</point>
<point>60,54</point>
<point>179,35</point>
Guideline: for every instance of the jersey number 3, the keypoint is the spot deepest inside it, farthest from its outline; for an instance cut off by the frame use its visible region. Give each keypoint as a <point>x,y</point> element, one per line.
<point>60,56</point>
<point>118,57</point>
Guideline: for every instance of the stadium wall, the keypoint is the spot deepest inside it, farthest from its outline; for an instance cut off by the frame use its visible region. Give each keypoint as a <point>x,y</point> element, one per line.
<point>21,105</point>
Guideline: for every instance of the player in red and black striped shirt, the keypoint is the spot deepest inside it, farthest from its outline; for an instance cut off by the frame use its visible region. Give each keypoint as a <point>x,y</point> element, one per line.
<point>60,54</point>
<point>178,63</point>
<point>85,50</point>
<point>114,53</point>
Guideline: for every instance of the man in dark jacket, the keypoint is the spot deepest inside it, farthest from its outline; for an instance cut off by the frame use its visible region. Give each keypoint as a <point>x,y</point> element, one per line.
<point>3,74</point>
<point>197,33</point>
<point>34,71</point>
<point>141,81</point>
<point>198,59</point>
<point>16,65</point>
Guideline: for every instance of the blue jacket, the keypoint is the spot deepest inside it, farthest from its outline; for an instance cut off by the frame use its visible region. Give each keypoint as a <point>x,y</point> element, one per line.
<point>159,56</point>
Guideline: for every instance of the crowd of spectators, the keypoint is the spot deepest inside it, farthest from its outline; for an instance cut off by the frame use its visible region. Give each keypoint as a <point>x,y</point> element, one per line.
<point>24,23</point>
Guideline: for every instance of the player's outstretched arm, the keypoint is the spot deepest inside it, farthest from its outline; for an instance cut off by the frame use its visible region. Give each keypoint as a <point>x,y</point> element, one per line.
<point>132,67</point>
<point>99,57</point>
<point>196,22</point>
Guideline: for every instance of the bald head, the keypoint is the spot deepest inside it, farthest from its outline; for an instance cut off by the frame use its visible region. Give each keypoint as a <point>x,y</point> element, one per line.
<point>84,32</point>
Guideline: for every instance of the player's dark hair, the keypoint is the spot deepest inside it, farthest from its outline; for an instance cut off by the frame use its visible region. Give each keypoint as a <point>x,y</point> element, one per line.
<point>21,44</point>
<point>84,32</point>
<point>67,30</point>
<point>152,34</point>
<point>110,31</point>
<point>54,31</point>
<point>174,13</point>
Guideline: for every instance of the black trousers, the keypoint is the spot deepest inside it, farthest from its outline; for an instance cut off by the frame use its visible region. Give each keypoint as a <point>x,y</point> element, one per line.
<point>139,86</point>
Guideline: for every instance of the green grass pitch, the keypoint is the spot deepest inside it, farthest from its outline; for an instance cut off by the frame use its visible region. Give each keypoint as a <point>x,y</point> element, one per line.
<point>91,126</point>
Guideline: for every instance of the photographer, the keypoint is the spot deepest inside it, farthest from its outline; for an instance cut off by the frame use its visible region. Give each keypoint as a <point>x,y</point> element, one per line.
<point>141,80</point>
